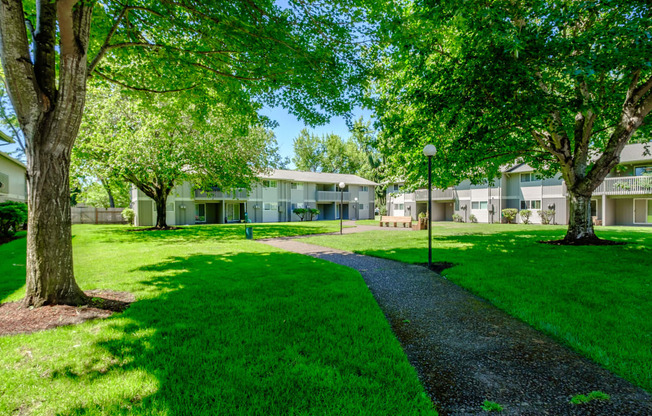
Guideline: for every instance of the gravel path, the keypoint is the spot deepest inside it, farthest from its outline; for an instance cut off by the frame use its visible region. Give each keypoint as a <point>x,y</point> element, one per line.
<point>466,351</point>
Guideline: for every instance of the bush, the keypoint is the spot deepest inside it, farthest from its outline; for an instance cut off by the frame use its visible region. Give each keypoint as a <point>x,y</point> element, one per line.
<point>547,216</point>
<point>306,213</point>
<point>525,215</point>
<point>422,215</point>
<point>383,210</point>
<point>509,214</point>
<point>12,216</point>
<point>473,218</point>
<point>129,215</point>
<point>458,218</point>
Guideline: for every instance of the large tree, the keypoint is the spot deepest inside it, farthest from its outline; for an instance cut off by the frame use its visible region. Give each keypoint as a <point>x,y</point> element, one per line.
<point>560,84</point>
<point>301,56</point>
<point>158,146</point>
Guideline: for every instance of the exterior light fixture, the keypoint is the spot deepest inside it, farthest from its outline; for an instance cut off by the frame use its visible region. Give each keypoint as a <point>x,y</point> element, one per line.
<point>429,151</point>
<point>342,185</point>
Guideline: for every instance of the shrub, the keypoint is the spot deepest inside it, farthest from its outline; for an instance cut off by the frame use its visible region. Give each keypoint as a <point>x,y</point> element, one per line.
<point>510,214</point>
<point>300,212</point>
<point>422,215</point>
<point>458,218</point>
<point>525,215</point>
<point>383,210</point>
<point>12,216</point>
<point>547,216</point>
<point>306,213</point>
<point>129,215</point>
<point>473,218</point>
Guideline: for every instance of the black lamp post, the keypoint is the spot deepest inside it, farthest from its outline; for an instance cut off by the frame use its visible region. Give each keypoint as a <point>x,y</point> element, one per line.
<point>429,151</point>
<point>342,185</point>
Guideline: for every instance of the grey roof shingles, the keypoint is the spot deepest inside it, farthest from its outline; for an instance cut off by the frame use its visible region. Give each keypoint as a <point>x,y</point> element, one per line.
<point>316,177</point>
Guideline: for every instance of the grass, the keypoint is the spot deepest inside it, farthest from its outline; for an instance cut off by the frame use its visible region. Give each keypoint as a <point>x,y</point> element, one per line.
<point>489,406</point>
<point>594,395</point>
<point>595,299</point>
<point>221,325</point>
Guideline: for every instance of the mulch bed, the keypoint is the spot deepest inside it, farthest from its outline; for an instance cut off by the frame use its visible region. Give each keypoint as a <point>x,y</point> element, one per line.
<point>438,267</point>
<point>5,240</point>
<point>16,319</point>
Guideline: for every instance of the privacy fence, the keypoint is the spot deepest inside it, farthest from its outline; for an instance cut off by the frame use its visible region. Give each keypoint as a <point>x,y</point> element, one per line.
<point>91,215</point>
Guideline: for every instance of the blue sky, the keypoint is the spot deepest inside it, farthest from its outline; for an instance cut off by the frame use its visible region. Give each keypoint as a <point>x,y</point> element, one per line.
<point>289,127</point>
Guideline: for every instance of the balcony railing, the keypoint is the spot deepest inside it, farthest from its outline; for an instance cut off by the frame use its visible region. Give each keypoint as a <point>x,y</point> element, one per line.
<point>422,194</point>
<point>237,195</point>
<point>632,185</point>
<point>331,196</point>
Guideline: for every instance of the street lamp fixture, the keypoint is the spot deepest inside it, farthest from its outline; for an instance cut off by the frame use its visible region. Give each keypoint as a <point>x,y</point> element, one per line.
<point>429,151</point>
<point>342,185</point>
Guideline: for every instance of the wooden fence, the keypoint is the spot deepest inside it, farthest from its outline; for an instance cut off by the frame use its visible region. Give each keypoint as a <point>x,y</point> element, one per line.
<point>91,215</point>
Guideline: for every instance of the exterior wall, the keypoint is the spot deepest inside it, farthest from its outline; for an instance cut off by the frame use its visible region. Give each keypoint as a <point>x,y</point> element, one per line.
<point>12,175</point>
<point>624,211</point>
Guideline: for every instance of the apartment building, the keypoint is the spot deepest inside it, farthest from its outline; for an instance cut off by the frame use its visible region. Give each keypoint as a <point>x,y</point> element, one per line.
<point>13,182</point>
<point>623,198</point>
<point>271,200</point>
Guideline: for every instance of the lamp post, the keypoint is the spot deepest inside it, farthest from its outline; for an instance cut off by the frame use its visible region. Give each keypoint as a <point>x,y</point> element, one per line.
<point>429,151</point>
<point>342,185</point>
<point>356,207</point>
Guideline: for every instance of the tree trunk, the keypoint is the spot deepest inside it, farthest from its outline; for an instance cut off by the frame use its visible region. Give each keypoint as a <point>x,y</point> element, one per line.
<point>580,223</point>
<point>50,278</point>
<point>160,212</point>
<point>107,188</point>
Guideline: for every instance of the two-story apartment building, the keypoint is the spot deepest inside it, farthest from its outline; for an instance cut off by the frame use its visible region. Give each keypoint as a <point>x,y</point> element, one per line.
<point>273,199</point>
<point>13,183</point>
<point>624,197</point>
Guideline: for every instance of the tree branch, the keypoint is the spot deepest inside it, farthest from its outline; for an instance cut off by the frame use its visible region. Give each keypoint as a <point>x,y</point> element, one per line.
<point>44,50</point>
<point>107,40</point>
<point>17,65</point>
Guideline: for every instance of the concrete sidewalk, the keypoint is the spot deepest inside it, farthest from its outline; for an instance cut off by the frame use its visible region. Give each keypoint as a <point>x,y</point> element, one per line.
<point>466,351</point>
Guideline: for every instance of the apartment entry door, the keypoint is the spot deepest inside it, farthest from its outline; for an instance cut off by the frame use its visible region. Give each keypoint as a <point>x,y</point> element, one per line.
<point>234,211</point>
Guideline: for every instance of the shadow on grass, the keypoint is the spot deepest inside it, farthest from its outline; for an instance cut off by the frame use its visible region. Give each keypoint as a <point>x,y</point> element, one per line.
<point>12,271</point>
<point>266,333</point>
<point>217,232</point>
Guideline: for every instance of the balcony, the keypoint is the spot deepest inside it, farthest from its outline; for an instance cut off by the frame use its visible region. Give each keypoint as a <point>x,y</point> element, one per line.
<point>219,195</point>
<point>632,185</point>
<point>437,194</point>
<point>331,196</point>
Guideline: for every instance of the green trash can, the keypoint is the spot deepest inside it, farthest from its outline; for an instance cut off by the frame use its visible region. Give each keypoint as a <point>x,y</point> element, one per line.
<point>249,231</point>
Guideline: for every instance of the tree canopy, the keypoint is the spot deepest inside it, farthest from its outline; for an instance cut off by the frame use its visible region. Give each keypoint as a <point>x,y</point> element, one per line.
<point>161,145</point>
<point>562,85</point>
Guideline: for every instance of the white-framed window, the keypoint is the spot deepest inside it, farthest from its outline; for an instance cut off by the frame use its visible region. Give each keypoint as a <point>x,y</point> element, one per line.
<point>298,205</point>
<point>479,205</point>
<point>528,177</point>
<point>361,206</point>
<point>200,212</point>
<point>531,204</point>
<point>270,206</point>
<point>365,189</point>
<point>296,185</point>
<point>269,184</point>
<point>393,188</point>
<point>399,207</point>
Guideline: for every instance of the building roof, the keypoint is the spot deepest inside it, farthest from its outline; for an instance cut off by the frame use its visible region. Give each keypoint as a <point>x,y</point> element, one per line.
<point>11,159</point>
<point>316,177</point>
<point>637,152</point>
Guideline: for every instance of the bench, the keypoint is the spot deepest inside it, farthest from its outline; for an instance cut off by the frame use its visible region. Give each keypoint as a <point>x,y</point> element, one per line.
<point>406,221</point>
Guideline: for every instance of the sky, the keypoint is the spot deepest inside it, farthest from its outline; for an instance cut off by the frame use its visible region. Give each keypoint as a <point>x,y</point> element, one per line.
<point>289,127</point>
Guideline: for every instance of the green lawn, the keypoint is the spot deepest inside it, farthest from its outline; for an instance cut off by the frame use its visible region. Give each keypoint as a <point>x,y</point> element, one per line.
<point>221,326</point>
<point>598,300</point>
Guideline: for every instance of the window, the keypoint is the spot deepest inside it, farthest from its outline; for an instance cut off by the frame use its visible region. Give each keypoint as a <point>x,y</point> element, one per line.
<point>643,171</point>
<point>200,213</point>
<point>361,206</point>
<point>479,205</point>
<point>393,188</point>
<point>528,177</point>
<point>270,206</point>
<point>399,207</point>
<point>365,189</point>
<point>298,205</point>
<point>297,186</point>
<point>269,184</point>
<point>535,204</point>
<point>4,183</point>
